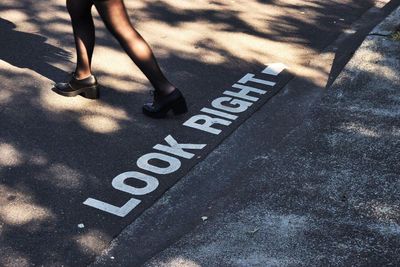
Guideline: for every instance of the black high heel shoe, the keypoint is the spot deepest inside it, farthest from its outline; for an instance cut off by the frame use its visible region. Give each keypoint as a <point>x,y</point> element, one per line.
<point>87,87</point>
<point>162,104</point>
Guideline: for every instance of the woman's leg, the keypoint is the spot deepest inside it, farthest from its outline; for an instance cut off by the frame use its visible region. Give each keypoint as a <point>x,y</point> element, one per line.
<point>84,34</point>
<point>115,17</point>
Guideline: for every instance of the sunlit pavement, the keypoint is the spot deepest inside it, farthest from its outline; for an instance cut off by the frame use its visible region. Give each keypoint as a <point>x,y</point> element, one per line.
<point>56,152</point>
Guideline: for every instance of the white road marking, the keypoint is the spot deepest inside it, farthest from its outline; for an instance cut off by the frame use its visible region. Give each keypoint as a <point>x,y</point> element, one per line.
<point>119,183</point>
<point>236,104</point>
<point>274,69</point>
<point>117,211</point>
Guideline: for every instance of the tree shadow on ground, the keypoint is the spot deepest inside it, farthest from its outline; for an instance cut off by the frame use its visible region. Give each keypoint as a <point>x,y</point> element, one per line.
<point>30,51</point>
<point>62,162</point>
<point>302,24</point>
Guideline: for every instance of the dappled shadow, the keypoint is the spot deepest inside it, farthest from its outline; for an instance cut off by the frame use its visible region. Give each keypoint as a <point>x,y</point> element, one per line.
<point>300,23</point>
<point>26,50</point>
<point>59,151</point>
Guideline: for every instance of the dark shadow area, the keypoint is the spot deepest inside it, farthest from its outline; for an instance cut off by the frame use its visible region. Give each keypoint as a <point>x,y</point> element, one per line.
<point>26,50</point>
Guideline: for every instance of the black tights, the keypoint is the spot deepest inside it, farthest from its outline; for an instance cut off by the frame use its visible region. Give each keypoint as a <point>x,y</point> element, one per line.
<point>115,17</point>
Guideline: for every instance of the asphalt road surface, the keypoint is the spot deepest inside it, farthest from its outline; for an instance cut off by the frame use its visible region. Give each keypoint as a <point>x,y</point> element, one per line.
<point>75,172</point>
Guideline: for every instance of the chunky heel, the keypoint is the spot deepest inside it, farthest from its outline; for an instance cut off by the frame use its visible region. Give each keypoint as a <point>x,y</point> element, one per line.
<point>87,87</point>
<point>161,105</point>
<point>179,107</point>
<point>91,93</point>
